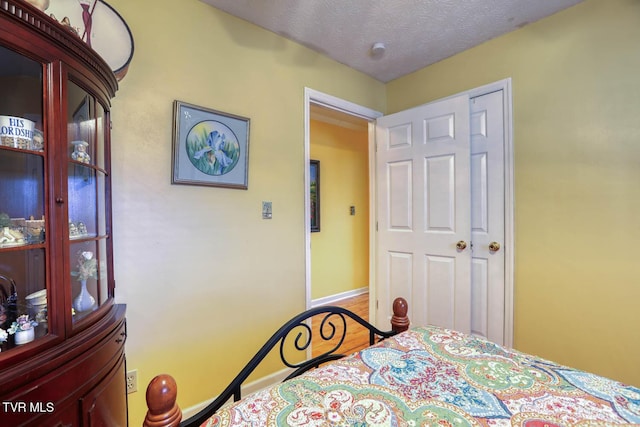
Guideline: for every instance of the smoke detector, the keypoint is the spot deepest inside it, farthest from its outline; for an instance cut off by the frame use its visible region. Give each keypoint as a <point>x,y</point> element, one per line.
<point>378,49</point>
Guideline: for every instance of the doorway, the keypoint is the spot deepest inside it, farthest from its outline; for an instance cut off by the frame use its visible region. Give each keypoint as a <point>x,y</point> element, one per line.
<point>354,118</point>
<point>313,97</point>
<point>339,206</point>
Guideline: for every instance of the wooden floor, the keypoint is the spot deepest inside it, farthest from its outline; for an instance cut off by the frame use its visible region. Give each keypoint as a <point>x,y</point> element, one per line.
<point>358,338</point>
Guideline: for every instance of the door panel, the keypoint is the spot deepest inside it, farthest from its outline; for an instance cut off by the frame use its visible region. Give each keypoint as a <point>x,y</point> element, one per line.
<point>479,297</point>
<point>400,272</point>
<point>487,216</point>
<point>440,192</point>
<point>400,197</point>
<point>423,162</point>
<point>479,193</point>
<point>440,284</point>
<point>400,136</point>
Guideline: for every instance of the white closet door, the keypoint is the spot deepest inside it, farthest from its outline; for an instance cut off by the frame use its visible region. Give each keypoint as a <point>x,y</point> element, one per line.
<point>424,225</point>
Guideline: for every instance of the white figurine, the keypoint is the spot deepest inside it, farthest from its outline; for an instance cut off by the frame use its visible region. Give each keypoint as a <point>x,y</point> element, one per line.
<point>82,229</point>
<point>11,237</point>
<point>38,140</point>
<point>73,230</point>
<point>80,151</point>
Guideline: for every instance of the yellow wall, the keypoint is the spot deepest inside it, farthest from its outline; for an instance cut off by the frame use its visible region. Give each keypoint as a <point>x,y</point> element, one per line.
<point>576,104</point>
<point>340,251</point>
<point>197,267</point>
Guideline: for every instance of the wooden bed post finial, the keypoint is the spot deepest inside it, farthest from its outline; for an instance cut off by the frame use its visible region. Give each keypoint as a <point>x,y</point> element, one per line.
<point>163,411</point>
<point>400,320</point>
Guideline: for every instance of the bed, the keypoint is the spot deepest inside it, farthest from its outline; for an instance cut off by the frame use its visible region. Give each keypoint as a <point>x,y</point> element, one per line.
<point>412,377</point>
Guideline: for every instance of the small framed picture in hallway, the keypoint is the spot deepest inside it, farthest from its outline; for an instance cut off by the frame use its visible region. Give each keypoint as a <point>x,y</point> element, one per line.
<point>314,193</point>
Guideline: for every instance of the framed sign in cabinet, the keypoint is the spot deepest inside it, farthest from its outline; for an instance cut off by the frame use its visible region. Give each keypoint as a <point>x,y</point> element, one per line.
<point>61,334</point>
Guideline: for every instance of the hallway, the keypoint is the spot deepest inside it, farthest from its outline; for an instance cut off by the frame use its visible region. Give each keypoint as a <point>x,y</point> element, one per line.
<point>355,341</point>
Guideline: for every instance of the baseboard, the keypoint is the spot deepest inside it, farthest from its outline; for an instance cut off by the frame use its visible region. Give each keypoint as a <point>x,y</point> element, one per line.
<point>252,387</point>
<point>337,297</point>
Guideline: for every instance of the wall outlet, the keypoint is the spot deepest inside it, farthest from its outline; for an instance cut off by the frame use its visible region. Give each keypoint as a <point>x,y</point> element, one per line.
<point>132,381</point>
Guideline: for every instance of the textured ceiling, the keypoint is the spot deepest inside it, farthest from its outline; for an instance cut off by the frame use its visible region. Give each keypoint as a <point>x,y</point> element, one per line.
<point>416,33</point>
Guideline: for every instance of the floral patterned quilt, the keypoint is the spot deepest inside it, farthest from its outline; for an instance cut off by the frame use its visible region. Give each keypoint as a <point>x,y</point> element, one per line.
<point>433,376</point>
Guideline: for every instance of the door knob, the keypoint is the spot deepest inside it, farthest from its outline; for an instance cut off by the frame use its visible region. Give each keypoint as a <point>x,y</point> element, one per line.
<point>494,246</point>
<point>461,245</point>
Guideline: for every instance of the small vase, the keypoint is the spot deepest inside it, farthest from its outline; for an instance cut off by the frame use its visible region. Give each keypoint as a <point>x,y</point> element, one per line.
<point>84,301</point>
<point>23,337</point>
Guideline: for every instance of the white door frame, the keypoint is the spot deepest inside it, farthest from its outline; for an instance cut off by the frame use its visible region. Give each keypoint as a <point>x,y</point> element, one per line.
<point>312,96</point>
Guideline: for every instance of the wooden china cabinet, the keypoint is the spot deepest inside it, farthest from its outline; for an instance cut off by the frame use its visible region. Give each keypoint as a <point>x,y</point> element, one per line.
<point>56,262</point>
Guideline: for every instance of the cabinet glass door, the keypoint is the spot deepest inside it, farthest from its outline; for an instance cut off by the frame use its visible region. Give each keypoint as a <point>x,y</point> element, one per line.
<point>23,228</point>
<point>87,201</point>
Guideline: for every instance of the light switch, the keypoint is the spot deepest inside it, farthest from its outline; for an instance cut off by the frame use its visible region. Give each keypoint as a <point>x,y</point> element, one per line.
<point>266,210</point>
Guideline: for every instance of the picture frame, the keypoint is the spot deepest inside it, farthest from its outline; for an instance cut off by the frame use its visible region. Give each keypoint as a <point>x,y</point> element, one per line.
<point>314,194</point>
<point>210,147</point>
